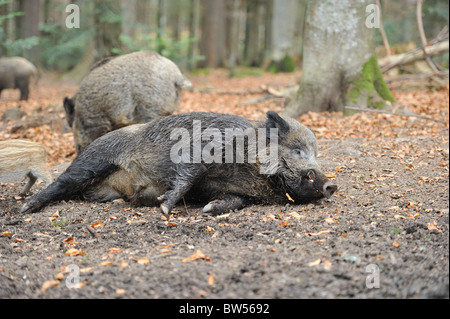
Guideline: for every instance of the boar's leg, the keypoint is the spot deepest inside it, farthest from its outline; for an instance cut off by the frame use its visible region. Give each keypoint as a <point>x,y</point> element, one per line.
<point>29,184</point>
<point>22,85</point>
<point>86,171</point>
<point>187,176</point>
<point>224,204</point>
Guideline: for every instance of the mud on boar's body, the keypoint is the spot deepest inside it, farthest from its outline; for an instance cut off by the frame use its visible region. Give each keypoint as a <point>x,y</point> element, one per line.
<point>135,163</point>
<point>16,73</point>
<point>20,158</point>
<point>121,91</point>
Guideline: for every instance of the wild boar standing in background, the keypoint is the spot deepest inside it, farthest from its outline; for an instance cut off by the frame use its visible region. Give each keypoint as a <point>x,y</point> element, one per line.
<point>130,89</point>
<point>19,158</point>
<point>141,163</point>
<point>16,73</point>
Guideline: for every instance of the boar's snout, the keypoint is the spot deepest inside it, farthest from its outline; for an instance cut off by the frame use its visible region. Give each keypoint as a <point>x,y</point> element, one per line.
<point>314,185</point>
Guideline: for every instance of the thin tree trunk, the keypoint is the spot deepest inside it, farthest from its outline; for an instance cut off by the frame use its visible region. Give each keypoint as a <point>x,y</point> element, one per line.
<point>193,34</point>
<point>129,17</point>
<point>30,27</point>
<point>108,27</point>
<point>283,28</point>
<point>213,33</point>
<point>232,37</point>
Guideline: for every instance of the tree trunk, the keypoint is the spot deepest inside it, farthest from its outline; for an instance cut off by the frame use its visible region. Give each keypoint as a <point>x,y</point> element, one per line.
<point>129,14</point>
<point>283,28</point>
<point>213,33</point>
<point>193,23</point>
<point>30,27</point>
<point>160,19</point>
<point>253,52</point>
<point>339,63</point>
<point>232,32</point>
<point>108,27</point>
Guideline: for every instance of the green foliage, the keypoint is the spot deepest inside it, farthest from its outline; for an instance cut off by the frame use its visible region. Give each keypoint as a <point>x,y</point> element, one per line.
<point>201,71</point>
<point>401,25</point>
<point>168,47</point>
<point>9,47</point>
<point>243,72</point>
<point>61,224</point>
<point>287,64</point>
<point>62,48</point>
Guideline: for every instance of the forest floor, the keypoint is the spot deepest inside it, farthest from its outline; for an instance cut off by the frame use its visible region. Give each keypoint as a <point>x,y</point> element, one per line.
<point>385,234</point>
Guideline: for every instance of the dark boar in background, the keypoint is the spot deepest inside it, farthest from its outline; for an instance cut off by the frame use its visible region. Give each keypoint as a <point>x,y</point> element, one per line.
<point>130,89</point>
<point>16,73</point>
<point>135,163</point>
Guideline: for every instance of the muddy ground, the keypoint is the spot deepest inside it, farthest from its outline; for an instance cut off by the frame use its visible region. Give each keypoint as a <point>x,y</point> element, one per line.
<point>385,234</point>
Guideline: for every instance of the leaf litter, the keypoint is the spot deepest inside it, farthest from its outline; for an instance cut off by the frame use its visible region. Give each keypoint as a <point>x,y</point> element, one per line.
<point>392,173</point>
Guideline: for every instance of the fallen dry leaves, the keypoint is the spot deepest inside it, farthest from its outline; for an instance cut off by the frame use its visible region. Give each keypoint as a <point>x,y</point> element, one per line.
<point>49,284</point>
<point>70,241</point>
<point>142,261</point>
<point>211,280</point>
<point>97,224</point>
<point>198,255</point>
<point>208,96</point>
<point>74,252</point>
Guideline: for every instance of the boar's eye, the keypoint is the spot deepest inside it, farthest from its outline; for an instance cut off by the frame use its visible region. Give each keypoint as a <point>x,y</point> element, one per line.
<point>300,153</point>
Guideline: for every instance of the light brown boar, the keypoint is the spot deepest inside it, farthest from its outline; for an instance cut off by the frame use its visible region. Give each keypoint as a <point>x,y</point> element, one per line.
<point>130,89</point>
<point>16,73</point>
<point>19,158</point>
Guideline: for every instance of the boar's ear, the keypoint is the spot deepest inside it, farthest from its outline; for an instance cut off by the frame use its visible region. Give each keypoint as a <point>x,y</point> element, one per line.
<point>276,121</point>
<point>69,107</point>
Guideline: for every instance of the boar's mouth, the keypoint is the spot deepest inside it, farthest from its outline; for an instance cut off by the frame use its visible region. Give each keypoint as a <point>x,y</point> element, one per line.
<point>313,186</point>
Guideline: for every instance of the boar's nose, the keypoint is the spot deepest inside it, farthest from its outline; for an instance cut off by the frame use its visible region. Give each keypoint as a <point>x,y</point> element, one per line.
<point>329,189</point>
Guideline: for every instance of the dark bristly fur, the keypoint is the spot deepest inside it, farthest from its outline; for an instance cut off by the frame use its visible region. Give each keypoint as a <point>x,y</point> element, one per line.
<point>134,163</point>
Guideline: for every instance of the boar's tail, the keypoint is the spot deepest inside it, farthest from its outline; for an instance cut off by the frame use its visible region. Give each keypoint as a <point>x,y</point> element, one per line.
<point>80,175</point>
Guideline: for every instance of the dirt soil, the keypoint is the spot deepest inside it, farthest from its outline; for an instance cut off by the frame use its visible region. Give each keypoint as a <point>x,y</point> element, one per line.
<point>385,234</point>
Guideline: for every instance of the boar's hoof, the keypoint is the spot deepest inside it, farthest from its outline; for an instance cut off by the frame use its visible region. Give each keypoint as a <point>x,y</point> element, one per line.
<point>26,209</point>
<point>207,209</point>
<point>164,209</point>
<point>162,198</point>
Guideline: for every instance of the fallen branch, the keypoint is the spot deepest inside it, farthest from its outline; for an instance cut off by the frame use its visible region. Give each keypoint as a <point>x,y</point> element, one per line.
<point>362,109</point>
<point>393,61</point>
<point>423,37</point>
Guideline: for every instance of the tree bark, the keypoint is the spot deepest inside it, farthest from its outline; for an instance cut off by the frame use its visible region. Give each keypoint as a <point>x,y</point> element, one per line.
<point>213,33</point>
<point>339,63</point>
<point>108,27</point>
<point>30,27</point>
<point>232,33</point>
<point>194,18</point>
<point>284,18</point>
<point>129,15</point>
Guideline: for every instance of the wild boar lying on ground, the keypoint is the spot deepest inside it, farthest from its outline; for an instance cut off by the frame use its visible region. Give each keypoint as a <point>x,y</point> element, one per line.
<point>23,158</point>
<point>201,157</point>
<point>16,73</point>
<point>130,89</point>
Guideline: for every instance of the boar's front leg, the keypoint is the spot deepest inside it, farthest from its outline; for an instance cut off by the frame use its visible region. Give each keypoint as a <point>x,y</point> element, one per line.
<point>32,180</point>
<point>224,204</point>
<point>186,177</point>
